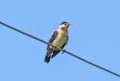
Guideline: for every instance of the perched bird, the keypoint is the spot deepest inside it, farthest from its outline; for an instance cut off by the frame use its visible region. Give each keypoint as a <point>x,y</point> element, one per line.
<point>58,39</point>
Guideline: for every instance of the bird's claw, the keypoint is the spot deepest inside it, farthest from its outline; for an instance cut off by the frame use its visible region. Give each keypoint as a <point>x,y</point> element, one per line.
<point>63,51</point>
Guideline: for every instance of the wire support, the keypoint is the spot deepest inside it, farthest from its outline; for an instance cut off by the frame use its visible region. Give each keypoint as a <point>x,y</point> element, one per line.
<point>80,58</point>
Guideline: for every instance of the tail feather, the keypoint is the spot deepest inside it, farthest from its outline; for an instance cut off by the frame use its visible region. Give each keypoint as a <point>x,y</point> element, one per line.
<point>48,56</point>
<point>47,59</point>
<point>55,53</point>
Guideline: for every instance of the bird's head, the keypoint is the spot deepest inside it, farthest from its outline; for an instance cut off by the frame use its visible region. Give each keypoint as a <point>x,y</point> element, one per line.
<point>64,25</point>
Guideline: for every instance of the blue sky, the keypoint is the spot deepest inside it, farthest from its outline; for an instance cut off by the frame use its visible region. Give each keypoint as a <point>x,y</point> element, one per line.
<point>94,35</point>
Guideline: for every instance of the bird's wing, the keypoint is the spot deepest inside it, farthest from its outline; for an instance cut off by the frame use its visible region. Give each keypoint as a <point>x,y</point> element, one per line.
<point>53,37</point>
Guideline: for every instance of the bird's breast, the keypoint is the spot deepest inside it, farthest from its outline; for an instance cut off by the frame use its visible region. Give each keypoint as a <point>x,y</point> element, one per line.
<point>61,39</point>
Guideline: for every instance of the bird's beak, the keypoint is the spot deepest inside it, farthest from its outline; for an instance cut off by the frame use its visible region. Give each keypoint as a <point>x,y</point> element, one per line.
<point>69,24</point>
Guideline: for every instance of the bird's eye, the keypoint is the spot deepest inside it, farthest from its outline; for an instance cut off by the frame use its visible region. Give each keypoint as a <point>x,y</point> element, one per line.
<point>65,24</point>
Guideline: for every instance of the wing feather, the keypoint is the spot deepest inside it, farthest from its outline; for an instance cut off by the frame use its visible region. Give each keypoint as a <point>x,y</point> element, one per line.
<point>53,37</point>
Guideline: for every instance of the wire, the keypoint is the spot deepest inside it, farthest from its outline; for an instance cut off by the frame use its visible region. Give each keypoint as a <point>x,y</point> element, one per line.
<point>118,75</point>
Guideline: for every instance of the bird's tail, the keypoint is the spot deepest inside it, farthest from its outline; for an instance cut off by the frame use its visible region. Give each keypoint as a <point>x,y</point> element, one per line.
<point>47,59</point>
<point>48,56</point>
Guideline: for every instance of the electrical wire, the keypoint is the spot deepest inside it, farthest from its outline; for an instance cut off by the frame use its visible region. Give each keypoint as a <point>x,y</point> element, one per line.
<point>82,59</point>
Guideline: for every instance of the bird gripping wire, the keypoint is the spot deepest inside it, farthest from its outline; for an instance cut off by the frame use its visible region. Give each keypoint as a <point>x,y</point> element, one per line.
<point>29,35</point>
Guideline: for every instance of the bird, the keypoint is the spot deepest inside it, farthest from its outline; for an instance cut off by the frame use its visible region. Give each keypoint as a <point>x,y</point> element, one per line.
<point>58,39</point>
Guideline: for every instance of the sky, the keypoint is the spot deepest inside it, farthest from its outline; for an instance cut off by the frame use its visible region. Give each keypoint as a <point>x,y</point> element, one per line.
<point>94,36</point>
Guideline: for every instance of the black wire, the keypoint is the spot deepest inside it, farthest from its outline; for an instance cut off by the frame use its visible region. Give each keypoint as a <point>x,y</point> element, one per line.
<point>118,75</point>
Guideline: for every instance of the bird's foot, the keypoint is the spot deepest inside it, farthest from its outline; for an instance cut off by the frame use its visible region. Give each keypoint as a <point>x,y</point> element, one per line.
<point>63,51</point>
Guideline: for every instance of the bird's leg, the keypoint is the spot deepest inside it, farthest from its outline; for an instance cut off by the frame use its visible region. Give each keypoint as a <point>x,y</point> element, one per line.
<point>63,51</point>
